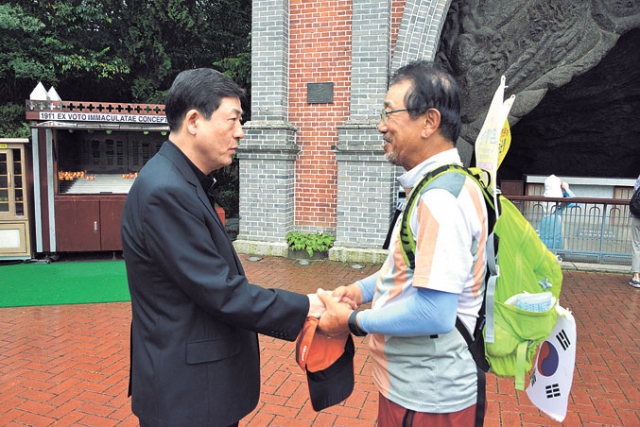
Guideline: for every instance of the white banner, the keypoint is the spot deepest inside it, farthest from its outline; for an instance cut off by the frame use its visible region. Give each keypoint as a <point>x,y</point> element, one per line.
<point>102,117</point>
<point>552,377</point>
<point>487,146</point>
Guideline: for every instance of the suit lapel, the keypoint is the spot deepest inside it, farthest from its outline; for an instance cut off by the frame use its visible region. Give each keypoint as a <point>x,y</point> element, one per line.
<point>209,203</point>
<point>172,153</point>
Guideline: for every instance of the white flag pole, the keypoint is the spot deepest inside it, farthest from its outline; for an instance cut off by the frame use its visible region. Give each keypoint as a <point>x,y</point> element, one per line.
<point>487,146</point>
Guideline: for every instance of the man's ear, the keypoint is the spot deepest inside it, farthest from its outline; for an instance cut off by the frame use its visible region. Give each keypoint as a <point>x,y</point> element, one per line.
<point>190,121</point>
<point>431,122</point>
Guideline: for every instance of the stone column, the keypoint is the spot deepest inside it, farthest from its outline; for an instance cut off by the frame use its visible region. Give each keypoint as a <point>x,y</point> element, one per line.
<point>267,153</point>
<point>365,181</point>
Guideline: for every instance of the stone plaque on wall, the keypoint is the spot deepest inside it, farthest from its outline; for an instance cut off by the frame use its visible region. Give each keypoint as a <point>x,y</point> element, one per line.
<point>320,93</point>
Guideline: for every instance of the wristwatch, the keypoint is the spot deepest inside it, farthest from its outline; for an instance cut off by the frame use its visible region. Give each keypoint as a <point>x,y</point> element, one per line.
<point>353,325</point>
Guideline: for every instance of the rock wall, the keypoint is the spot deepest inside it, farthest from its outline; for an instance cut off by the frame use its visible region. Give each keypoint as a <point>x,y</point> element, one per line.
<point>538,45</point>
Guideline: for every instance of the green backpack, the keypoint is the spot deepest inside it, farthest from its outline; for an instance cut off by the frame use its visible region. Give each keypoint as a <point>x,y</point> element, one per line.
<point>506,338</point>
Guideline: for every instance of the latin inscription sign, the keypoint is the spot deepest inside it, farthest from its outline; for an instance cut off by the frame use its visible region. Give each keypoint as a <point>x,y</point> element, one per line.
<point>100,117</point>
<point>320,93</point>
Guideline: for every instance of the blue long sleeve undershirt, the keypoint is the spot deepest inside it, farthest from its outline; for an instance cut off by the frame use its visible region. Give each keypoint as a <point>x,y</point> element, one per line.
<point>428,312</point>
<point>368,287</point>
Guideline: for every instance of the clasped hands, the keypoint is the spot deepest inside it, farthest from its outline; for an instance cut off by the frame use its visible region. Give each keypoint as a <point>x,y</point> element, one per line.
<point>333,308</point>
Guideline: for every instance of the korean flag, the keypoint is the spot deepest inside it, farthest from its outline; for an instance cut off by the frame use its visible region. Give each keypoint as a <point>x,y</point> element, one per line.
<point>550,383</point>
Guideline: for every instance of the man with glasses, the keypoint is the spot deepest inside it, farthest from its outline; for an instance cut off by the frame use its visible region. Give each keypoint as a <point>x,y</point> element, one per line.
<point>421,364</point>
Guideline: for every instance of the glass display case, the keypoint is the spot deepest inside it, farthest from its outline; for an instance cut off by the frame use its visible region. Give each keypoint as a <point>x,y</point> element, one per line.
<point>102,163</point>
<point>14,213</point>
<point>94,171</point>
<point>86,156</point>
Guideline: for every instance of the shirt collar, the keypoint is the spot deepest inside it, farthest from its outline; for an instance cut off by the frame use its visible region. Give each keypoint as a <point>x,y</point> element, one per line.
<point>205,181</point>
<point>410,178</point>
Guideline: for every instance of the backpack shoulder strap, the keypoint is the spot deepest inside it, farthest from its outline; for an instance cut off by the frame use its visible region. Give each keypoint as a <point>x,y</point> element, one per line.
<point>407,241</point>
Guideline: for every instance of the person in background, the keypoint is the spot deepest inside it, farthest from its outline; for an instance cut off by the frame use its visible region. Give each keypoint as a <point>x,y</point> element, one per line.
<point>635,244</point>
<point>195,359</point>
<point>422,366</point>
<point>550,226</point>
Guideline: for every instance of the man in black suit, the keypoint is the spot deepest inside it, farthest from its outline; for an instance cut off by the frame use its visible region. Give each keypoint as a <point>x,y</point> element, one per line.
<point>194,348</point>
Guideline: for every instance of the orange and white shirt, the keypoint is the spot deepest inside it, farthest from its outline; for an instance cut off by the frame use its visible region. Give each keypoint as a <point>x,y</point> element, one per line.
<point>449,226</point>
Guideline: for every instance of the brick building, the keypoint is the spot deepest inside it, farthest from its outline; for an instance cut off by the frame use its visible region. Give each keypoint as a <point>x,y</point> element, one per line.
<point>312,158</point>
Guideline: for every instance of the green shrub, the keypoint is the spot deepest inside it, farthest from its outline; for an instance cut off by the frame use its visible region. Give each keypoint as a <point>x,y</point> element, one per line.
<point>320,242</point>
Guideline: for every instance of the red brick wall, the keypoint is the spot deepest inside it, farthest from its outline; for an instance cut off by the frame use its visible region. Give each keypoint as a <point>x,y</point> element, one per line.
<point>397,9</point>
<point>320,51</point>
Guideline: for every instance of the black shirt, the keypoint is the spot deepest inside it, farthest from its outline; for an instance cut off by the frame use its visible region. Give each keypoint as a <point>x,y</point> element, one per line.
<point>207,182</point>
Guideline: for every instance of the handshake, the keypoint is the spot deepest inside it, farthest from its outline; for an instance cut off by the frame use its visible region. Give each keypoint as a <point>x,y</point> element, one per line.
<point>333,308</point>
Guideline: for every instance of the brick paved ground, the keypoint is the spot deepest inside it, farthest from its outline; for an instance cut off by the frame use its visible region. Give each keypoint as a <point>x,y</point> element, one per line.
<point>68,365</point>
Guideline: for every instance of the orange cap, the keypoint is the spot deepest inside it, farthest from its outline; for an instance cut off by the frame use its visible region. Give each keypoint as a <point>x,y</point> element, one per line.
<point>328,363</point>
<point>316,352</point>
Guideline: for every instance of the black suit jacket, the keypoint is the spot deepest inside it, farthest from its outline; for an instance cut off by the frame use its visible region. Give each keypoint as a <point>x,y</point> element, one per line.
<point>194,348</point>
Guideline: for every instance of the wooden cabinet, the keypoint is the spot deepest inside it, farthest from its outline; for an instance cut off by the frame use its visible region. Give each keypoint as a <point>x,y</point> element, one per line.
<point>110,216</point>
<point>15,239</point>
<point>88,223</point>
<point>77,224</point>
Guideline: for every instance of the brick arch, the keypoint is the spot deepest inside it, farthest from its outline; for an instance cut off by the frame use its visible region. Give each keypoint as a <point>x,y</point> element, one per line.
<point>420,30</point>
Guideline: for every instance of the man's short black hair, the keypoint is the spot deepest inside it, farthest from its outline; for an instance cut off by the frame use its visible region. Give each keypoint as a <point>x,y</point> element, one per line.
<point>432,87</point>
<point>201,89</point>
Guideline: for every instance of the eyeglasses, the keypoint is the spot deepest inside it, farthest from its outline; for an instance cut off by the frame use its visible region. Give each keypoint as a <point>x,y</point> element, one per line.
<point>384,114</point>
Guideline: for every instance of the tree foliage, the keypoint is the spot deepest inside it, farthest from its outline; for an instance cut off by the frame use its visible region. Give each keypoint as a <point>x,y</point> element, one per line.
<point>114,50</point>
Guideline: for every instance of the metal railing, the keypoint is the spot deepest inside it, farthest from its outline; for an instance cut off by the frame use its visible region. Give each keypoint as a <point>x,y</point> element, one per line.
<point>580,229</point>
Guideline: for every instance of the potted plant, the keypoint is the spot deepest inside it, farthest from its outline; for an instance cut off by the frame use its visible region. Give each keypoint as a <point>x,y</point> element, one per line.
<point>309,245</point>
